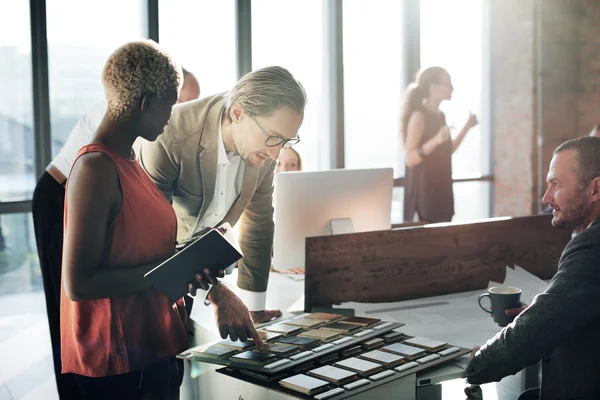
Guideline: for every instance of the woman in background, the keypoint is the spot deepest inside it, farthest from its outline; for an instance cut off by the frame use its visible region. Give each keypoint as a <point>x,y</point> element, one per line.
<point>289,160</point>
<point>428,147</point>
<point>119,336</point>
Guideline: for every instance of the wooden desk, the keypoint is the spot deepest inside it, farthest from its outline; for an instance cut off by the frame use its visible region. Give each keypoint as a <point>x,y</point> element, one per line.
<point>399,265</point>
<point>201,380</point>
<point>428,260</point>
<point>455,318</point>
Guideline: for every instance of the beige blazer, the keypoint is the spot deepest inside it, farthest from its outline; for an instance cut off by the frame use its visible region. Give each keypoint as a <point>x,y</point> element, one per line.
<point>183,164</point>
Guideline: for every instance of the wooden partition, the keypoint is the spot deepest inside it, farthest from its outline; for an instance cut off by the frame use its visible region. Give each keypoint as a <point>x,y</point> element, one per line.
<point>408,225</point>
<point>430,260</point>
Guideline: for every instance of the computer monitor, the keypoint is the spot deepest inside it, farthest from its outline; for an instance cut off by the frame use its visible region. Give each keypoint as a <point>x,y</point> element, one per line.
<point>327,202</point>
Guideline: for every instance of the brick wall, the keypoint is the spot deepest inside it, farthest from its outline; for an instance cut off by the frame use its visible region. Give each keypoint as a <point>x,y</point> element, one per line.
<point>589,72</point>
<point>512,45</point>
<point>559,68</point>
<point>565,63</point>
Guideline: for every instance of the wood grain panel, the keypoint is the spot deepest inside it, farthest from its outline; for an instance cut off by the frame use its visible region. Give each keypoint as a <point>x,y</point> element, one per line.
<point>431,260</point>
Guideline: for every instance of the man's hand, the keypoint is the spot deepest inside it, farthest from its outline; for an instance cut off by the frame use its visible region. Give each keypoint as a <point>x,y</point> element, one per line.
<point>264,316</point>
<point>475,350</point>
<point>233,317</point>
<point>203,279</point>
<point>513,312</point>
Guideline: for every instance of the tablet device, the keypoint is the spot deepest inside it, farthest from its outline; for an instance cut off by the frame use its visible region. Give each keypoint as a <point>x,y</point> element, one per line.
<point>211,250</point>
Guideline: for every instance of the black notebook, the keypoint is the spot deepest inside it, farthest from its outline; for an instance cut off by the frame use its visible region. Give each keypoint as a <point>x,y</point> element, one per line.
<point>211,250</point>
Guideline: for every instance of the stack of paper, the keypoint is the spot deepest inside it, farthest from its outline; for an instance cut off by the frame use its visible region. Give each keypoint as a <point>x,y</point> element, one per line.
<point>455,318</point>
<point>529,284</point>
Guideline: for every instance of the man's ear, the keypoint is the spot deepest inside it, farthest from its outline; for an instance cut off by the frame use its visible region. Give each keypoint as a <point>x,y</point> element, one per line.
<point>146,100</point>
<point>595,186</point>
<point>236,112</point>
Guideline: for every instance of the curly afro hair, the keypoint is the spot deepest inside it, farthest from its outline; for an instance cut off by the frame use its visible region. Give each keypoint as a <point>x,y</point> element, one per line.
<point>137,68</point>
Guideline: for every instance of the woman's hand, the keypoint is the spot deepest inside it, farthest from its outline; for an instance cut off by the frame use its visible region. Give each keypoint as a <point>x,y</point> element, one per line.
<point>471,122</point>
<point>203,279</point>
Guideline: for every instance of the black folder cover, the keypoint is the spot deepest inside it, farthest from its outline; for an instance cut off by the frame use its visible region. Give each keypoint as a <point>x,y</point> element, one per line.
<point>211,250</point>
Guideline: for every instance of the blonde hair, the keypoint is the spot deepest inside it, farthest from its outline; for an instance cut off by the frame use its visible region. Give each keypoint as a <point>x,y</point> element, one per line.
<point>416,92</point>
<point>297,157</point>
<point>266,90</point>
<point>137,68</point>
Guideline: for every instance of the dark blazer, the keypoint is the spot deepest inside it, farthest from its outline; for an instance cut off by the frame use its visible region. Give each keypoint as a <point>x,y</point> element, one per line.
<point>561,328</point>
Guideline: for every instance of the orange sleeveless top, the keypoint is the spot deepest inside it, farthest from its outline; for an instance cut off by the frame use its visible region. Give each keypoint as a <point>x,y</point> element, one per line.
<point>126,333</point>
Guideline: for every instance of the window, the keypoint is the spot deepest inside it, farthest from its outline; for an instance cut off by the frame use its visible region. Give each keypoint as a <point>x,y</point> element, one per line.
<point>17,152</point>
<point>398,205</point>
<point>19,265</point>
<point>471,200</point>
<point>373,72</point>
<point>81,36</point>
<point>201,36</point>
<point>24,326</point>
<point>290,34</point>
<point>458,48</point>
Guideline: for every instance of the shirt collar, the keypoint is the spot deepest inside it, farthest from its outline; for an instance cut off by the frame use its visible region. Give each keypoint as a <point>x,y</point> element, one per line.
<point>222,156</point>
<point>592,221</point>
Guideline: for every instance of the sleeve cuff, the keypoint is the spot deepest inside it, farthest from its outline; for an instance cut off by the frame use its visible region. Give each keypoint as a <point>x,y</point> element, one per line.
<point>201,295</point>
<point>255,301</point>
<point>475,368</point>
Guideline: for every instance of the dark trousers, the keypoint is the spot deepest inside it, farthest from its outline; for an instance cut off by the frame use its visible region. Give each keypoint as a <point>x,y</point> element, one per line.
<point>160,381</point>
<point>48,211</point>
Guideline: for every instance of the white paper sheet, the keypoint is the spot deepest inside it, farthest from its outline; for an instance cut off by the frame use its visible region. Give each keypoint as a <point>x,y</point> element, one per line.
<point>455,318</point>
<point>529,284</point>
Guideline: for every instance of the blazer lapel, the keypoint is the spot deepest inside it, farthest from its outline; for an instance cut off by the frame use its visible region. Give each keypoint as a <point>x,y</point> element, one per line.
<point>208,155</point>
<point>249,185</point>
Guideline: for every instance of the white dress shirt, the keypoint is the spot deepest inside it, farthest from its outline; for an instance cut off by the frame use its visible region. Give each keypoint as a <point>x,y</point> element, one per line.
<point>81,135</point>
<point>228,185</point>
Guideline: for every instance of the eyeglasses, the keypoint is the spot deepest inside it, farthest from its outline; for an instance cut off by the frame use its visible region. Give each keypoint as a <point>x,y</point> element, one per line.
<point>274,141</point>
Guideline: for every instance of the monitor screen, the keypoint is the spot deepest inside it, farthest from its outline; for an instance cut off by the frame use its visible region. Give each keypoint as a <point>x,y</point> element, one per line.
<point>312,203</point>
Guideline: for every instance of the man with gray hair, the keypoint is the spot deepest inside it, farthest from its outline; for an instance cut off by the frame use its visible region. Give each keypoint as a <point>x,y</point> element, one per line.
<point>562,325</point>
<point>215,162</point>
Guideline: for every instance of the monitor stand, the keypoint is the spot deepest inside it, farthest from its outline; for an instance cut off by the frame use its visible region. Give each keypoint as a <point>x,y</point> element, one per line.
<point>340,226</point>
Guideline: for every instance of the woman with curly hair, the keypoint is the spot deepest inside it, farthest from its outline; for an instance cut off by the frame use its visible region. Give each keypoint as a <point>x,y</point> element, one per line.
<point>119,336</point>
